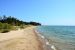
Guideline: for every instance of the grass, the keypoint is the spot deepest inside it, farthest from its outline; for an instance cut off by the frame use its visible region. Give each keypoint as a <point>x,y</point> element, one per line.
<point>4,27</point>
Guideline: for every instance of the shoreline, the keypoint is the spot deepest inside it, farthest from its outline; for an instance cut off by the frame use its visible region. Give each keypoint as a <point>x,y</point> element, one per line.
<point>25,39</point>
<point>46,44</point>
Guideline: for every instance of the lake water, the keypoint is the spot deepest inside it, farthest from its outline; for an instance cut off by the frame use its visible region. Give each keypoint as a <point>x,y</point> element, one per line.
<point>62,37</point>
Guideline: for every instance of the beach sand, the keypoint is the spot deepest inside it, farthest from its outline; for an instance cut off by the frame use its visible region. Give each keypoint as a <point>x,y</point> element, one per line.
<point>22,39</point>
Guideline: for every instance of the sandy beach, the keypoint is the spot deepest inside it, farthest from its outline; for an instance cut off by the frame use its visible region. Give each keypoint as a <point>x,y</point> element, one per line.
<point>22,39</point>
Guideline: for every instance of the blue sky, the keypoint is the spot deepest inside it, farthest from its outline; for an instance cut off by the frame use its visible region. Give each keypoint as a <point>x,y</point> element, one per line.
<point>47,12</point>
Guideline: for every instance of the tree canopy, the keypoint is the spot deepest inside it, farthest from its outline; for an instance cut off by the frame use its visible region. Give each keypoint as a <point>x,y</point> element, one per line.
<point>16,22</point>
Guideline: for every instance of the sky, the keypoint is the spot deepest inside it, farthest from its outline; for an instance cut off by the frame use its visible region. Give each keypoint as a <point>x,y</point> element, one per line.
<point>46,12</point>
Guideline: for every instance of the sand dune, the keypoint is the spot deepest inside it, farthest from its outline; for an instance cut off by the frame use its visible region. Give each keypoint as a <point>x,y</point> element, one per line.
<point>24,39</point>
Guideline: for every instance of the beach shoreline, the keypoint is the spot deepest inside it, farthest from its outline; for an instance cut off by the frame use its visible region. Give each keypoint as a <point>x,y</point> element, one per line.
<point>45,43</point>
<point>25,39</point>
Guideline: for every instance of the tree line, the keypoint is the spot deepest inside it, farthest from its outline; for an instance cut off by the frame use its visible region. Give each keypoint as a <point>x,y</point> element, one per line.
<point>11,23</point>
<point>16,22</point>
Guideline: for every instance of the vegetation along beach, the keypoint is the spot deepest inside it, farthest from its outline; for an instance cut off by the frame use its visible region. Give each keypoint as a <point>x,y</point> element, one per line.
<point>23,38</point>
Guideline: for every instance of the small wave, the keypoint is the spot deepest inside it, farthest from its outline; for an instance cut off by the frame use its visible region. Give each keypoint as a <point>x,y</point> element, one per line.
<point>42,37</point>
<point>46,41</point>
<point>53,47</point>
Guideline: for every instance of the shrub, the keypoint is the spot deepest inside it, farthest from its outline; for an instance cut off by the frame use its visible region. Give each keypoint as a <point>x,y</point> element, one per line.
<point>4,31</point>
<point>4,27</point>
<point>1,25</point>
<point>22,26</point>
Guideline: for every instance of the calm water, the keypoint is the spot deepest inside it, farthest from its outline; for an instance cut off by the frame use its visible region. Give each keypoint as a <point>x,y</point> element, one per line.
<point>63,37</point>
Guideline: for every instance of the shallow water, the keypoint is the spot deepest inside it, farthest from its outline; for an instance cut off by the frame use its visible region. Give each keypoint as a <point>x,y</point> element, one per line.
<point>63,37</point>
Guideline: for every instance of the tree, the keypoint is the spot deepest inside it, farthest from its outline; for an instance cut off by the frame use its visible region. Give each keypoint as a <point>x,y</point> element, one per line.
<point>34,23</point>
<point>15,22</point>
